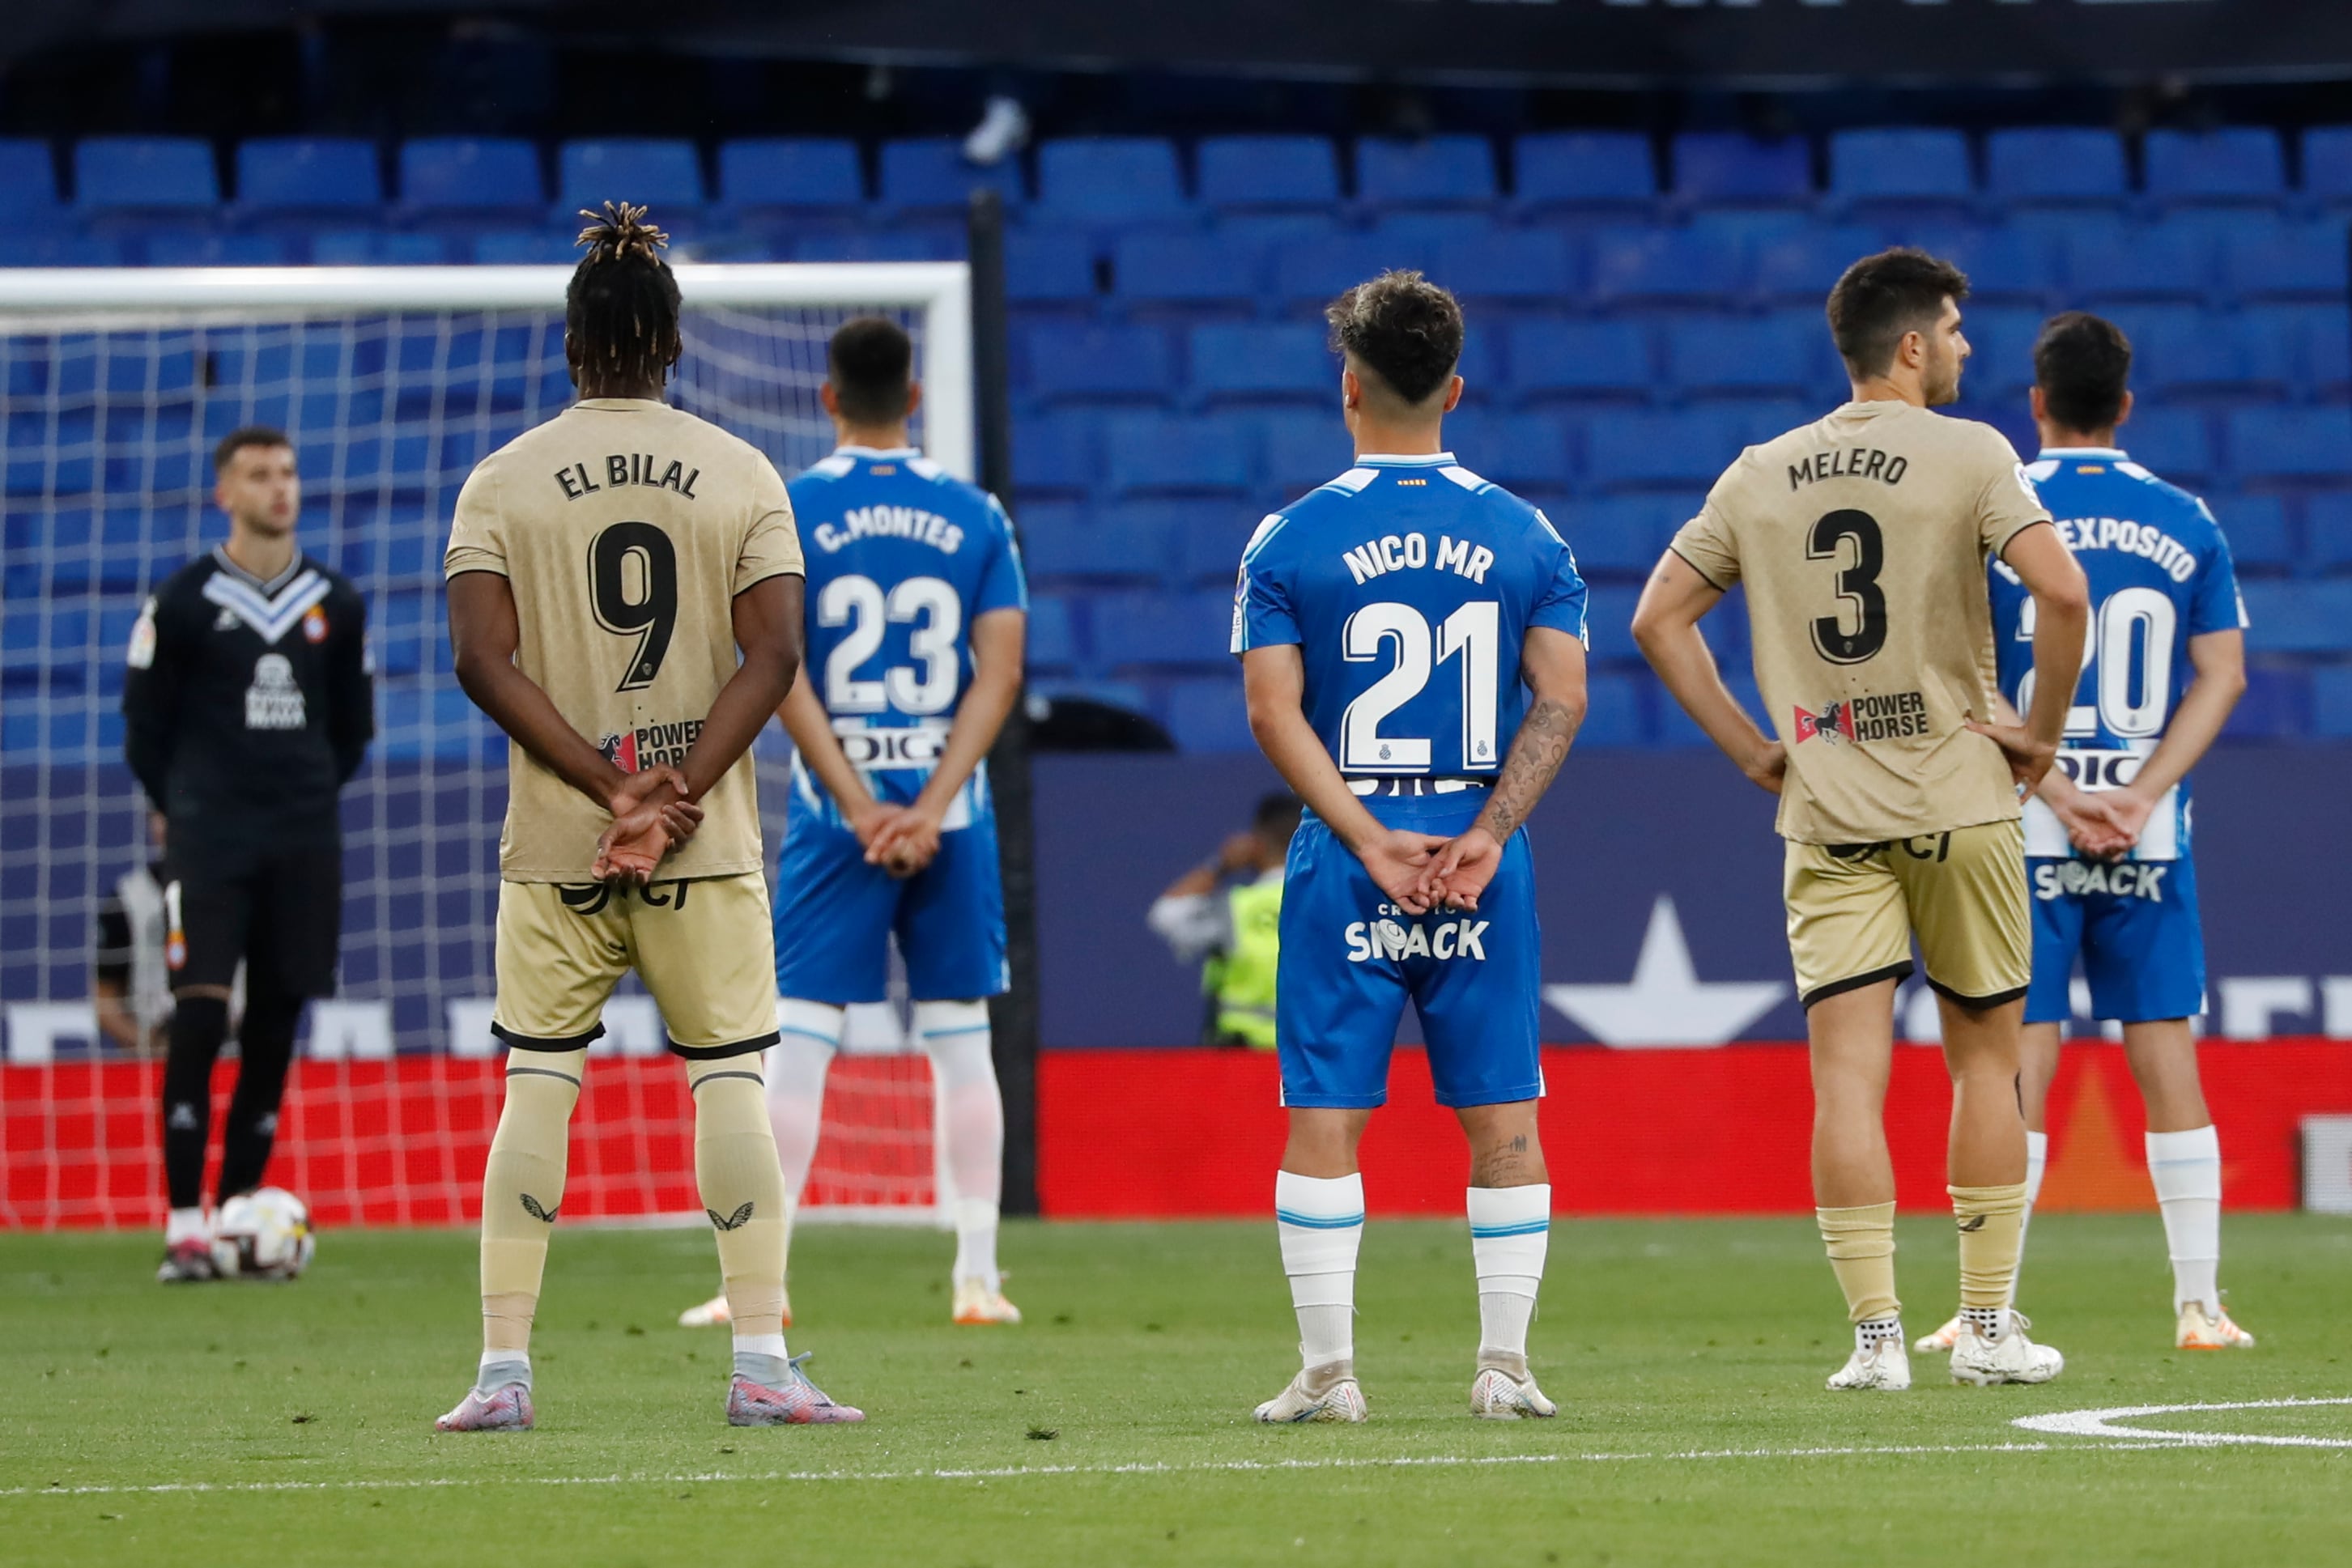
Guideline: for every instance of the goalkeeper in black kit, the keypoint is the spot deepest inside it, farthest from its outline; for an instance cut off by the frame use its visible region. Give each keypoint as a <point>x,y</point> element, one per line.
<point>247,706</point>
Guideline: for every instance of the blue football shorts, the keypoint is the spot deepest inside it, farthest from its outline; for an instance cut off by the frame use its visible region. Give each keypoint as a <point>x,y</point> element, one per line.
<point>1350,960</point>
<point>835,916</point>
<point>2134,926</point>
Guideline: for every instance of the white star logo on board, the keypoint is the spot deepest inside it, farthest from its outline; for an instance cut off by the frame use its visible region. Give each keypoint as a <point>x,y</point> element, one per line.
<point>1667,1002</point>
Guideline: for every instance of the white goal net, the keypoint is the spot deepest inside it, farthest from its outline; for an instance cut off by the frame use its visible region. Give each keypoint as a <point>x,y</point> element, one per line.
<point>391,382</point>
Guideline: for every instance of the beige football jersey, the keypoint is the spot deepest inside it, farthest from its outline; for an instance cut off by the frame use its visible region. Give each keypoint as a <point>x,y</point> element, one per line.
<point>627,529</point>
<point>1863,540</point>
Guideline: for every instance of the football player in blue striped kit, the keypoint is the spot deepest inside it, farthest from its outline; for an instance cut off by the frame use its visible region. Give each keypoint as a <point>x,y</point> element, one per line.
<point>2106,837</point>
<point>1412,641</point>
<point>917,612</point>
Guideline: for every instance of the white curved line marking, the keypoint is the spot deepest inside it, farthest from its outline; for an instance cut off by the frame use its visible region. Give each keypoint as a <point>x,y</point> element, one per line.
<point>2102,1424</point>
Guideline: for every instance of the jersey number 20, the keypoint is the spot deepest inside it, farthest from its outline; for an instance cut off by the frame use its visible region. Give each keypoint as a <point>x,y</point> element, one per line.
<point>1475,631</point>
<point>933,615</point>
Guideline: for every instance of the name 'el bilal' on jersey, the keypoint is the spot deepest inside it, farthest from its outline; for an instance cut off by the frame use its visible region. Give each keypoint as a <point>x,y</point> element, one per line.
<point>2161,574</point>
<point>1409,585</point>
<point>903,557</point>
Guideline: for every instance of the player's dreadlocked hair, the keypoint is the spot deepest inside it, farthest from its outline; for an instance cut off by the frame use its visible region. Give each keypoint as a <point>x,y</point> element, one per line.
<point>1401,327</point>
<point>621,306</point>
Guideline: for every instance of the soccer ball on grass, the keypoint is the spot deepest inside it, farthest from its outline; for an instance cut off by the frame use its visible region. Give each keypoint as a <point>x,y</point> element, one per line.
<point>263,1235</point>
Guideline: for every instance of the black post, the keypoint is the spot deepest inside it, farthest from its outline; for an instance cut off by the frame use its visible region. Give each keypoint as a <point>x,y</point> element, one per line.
<point>1014,1017</point>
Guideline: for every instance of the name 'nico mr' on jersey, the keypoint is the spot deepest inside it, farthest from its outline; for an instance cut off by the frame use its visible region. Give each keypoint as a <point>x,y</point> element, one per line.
<point>1409,585</point>
<point>903,557</point>
<point>2161,574</point>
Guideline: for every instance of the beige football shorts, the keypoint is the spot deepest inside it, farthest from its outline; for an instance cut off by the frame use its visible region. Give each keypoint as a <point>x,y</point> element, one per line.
<point>704,948</point>
<point>1854,908</point>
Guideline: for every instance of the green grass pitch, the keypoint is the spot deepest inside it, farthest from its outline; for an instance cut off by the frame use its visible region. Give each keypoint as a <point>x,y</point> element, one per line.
<point>291,1422</point>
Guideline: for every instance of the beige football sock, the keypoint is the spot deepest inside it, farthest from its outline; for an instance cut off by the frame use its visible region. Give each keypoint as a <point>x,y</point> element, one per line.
<point>742,1188</point>
<point>1860,1243</point>
<point>1993,1230</point>
<point>522,1189</point>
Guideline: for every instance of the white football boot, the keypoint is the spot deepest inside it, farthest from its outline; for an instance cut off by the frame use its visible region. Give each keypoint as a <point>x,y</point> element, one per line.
<point>2011,1358</point>
<point>714,1313</point>
<point>1878,1363</point>
<point>1504,1390</point>
<point>1324,1392</point>
<point>1940,1342</point>
<point>976,1301</point>
<point>2199,1331</point>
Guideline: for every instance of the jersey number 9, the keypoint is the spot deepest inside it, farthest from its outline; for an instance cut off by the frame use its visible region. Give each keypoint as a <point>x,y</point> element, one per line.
<point>633,587</point>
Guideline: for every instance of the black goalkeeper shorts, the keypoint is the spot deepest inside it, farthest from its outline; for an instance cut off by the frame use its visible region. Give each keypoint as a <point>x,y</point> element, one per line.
<point>281,914</point>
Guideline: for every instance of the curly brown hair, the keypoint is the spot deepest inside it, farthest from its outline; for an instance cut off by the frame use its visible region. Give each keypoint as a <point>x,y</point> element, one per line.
<point>1404,329</point>
<point>621,306</point>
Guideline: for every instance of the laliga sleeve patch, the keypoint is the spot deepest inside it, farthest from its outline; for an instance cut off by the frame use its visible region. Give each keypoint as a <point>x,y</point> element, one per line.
<point>142,655</point>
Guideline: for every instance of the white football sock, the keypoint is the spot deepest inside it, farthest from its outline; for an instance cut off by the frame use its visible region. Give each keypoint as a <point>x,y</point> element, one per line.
<point>810,1033</point>
<point>1510,1232</point>
<point>186,1225</point>
<point>1321,1222</point>
<point>2037,1160</point>
<point>2187,1170</point>
<point>955,1036</point>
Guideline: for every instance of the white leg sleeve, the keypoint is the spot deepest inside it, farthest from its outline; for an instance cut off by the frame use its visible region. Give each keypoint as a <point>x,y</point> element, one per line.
<point>2186,1168</point>
<point>797,1064</point>
<point>955,1036</point>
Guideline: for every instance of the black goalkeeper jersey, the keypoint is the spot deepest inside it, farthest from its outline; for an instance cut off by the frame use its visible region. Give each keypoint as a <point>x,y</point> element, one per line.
<point>247,704</point>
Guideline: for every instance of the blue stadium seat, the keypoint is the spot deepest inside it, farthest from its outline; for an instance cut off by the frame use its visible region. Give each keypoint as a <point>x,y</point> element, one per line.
<point>2000,365</point>
<point>1208,269</point>
<point>1208,540</point>
<point>657,172</point>
<point>1267,172</point>
<point>2138,261</point>
<point>1054,454</point>
<point>1670,266</point>
<point>2327,522</point>
<point>2054,165</point>
<point>2256,527</point>
<point>1313,274</point>
<point>1208,716</point>
<point>2331,702</point>
<point>2318,341</point>
<point>1065,540</point>
<point>1159,454</point>
<point>307,173</point>
<point>1575,170</point>
<point>203,247</point>
<point>1806,264</point>
<point>1163,631</point>
<point>1653,451</point>
<point>58,249</point>
<point>796,171</point>
<point>1730,167</point>
<point>2291,443</point>
<point>1581,359</point>
<point>1049,267</point>
<point>1525,453</point>
<point>524,247</point>
<point>2174,444</point>
<point>2180,350</point>
<point>1260,363</point>
<point>2298,261</point>
<point>470,174</point>
<point>1609,622</point>
<point>1110,180</point>
<point>1303,450</point>
<point>1905,169</point>
<point>1779,355</point>
<point>1421,232</point>
<point>1528,266</point>
<point>377,247</point>
<point>1081,362</point>
<point>1612,713</point>
<point>28,176</point>
<point>2299,617</point>
<point>144,173</point>
<point>924,242</point>
<point>1623,535</point>
<point>2327,164</point>
<point>2006,263</point>
<point>1053,643</point>
<point>1450,170</point>
<point>931,173</point>
<point>2241,164</point>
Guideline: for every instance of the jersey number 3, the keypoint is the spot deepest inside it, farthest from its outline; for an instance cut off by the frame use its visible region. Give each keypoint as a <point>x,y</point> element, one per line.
<point>633,587</point>
<point>1860,599</point>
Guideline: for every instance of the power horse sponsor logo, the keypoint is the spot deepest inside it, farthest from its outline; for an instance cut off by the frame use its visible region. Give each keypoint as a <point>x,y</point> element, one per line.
<point>1859,720</point>
<point>651,746</point>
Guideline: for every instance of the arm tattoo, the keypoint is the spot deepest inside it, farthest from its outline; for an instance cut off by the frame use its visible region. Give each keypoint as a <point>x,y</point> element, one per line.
<point>1537,752</point>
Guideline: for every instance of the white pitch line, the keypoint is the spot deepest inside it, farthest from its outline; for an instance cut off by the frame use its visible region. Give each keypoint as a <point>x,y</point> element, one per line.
<point>1019,1472</point>
<point>2102,1424</point>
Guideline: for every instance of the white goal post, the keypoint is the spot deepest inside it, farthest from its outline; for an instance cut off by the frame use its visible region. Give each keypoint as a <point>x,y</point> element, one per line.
<point>393,382</point>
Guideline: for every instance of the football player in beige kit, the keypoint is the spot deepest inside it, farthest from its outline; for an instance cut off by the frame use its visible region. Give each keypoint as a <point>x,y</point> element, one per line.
<point>1861,540</point>
<point>604,569</point>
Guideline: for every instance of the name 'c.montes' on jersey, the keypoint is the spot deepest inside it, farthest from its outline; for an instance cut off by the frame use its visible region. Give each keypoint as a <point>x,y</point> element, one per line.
<point>903,557</point>
<point>2161,574</point>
